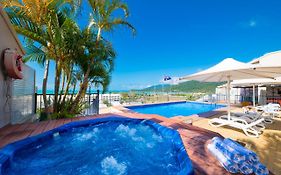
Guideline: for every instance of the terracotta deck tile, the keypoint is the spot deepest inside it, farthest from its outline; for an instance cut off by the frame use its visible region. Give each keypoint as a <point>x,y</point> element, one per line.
<point>7,129</point>
<point>59,123</point>
<point>15,134</point>
<point>66,120</point>
<point>40,128</point>
<point>156,120</point>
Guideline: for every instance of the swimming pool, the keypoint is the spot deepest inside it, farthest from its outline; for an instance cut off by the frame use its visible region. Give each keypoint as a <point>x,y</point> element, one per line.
<point>109,146</point>
<point>174,109</point>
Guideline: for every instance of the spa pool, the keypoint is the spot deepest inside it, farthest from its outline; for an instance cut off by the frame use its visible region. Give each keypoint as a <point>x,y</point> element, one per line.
<point>109,146</point>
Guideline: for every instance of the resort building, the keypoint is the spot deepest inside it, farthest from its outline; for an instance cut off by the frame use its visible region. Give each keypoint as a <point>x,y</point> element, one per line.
<point>266,90</point>
<point>71,129</point>
<point>110,97</point>
<point>16,95</point>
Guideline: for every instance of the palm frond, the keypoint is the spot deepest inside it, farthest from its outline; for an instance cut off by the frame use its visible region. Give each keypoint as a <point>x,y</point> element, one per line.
<point>35,53</point>
<point>117,4</point>
<point>117,22</point>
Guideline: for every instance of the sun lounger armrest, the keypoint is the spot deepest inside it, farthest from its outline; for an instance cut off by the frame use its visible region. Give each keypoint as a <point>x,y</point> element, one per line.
<point>239,120</point>
<point>256,122</point>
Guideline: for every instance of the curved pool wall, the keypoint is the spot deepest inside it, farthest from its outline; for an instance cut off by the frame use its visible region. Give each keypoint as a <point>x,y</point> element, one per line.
<point>171,109</point>
<point>7,153</point>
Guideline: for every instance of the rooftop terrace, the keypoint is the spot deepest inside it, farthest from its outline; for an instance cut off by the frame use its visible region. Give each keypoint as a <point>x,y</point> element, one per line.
<point>195,139</point>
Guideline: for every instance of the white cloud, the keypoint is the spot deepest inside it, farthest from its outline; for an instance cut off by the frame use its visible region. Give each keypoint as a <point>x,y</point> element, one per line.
<point>252,23</point>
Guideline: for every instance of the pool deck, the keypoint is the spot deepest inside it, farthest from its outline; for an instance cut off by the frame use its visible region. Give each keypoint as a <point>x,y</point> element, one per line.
<point>195,139</point>
<point>267,146</point>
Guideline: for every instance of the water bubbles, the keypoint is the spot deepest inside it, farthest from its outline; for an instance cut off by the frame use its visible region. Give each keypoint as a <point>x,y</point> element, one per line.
<point>56,134</point>
<point>138,139</point>
<point>38,146</point>
<point>150,145</point>
<point>111,166</point>
<point>90,135</point>
<point>126,131</point>
<point>157,138</point>
<point>86,136</point>
<point>144,128</point>
<point>112,148</point>
<point>95,130</point>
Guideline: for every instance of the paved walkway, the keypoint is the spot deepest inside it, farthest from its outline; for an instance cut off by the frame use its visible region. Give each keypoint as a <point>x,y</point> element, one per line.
<point>195,139</point>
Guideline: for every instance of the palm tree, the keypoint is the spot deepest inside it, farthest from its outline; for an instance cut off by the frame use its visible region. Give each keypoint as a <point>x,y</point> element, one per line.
<point>39,55</point>
<point>41,21</point>
<point>102,19</point>
<point>80,55</point>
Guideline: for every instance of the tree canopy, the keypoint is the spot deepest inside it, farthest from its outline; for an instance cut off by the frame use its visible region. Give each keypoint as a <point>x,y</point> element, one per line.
<point>82,56</point>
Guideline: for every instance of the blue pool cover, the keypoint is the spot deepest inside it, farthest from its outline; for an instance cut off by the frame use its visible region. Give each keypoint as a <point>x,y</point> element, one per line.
<point>111,145</point>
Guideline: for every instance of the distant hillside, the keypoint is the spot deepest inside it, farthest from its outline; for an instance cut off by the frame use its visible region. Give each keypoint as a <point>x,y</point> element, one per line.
<point>189,87</point>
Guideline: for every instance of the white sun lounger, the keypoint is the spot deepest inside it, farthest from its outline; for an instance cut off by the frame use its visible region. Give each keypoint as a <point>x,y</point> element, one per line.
<point>249,129</point>
<point>274,106</point>
<point>253,116</point>
<point>248,119</point>
<point>271,111</point>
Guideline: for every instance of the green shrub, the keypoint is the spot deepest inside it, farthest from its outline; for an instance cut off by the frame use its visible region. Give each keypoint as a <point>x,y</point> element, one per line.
<point>106,102</point>
<point>61,115</point>
<point>43,116</point>
<point>190,97</point>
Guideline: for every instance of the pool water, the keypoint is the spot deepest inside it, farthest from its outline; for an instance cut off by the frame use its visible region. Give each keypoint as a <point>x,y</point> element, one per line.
<point>174,109</point>
<point>109,148</point>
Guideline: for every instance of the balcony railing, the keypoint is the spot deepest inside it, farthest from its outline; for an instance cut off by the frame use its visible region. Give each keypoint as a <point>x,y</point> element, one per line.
<point>90,99</point>
<point>237,99</point>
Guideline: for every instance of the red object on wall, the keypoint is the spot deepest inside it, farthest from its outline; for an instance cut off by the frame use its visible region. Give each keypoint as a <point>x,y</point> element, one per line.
<point>13,64</point>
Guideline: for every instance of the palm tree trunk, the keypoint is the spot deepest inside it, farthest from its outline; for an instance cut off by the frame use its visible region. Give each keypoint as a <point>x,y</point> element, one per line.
<point>57,86</point>
<point>62,87</point>
<point>67,85</point>
<point>83,87</point>
<point>85,82</point>
<point>44,85</point>
<point>73,91</point>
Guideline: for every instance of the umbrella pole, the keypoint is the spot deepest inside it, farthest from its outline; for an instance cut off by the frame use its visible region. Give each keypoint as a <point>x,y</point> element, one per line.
<point>228,97</point>
<point>254,96</point>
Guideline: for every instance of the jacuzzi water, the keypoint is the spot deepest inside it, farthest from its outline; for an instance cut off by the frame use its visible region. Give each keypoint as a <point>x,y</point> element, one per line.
<point>109,148</point>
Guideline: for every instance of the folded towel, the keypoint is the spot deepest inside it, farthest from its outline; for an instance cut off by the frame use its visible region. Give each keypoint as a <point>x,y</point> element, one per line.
<point>250,155</point>
<point>227,164</point>
<point>229,152</point>
<point>260,169</point>
<point>245,167</point>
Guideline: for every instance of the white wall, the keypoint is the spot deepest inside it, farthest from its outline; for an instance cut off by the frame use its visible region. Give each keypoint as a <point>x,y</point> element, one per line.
<point>234,93</point>
<point>110,97</point>
<point>8,39</point>
<point>23,97</point>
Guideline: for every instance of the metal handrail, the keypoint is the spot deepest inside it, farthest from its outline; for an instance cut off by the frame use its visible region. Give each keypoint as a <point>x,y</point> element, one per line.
<point>92,99</point>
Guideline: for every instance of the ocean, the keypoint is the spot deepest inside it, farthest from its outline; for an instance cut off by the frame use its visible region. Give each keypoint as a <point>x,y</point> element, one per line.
<point>49,91</point>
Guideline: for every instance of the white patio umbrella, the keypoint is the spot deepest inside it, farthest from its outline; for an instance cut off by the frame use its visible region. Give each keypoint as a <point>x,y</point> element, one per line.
<point>228,70</point>
<point>256,82</point>
<point>268,63</point>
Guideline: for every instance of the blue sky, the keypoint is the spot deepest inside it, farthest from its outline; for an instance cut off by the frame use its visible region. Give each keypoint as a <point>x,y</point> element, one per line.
<point>184,36</point>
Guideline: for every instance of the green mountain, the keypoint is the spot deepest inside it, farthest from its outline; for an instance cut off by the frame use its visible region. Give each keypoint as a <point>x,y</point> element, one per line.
<point>188,87</point>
